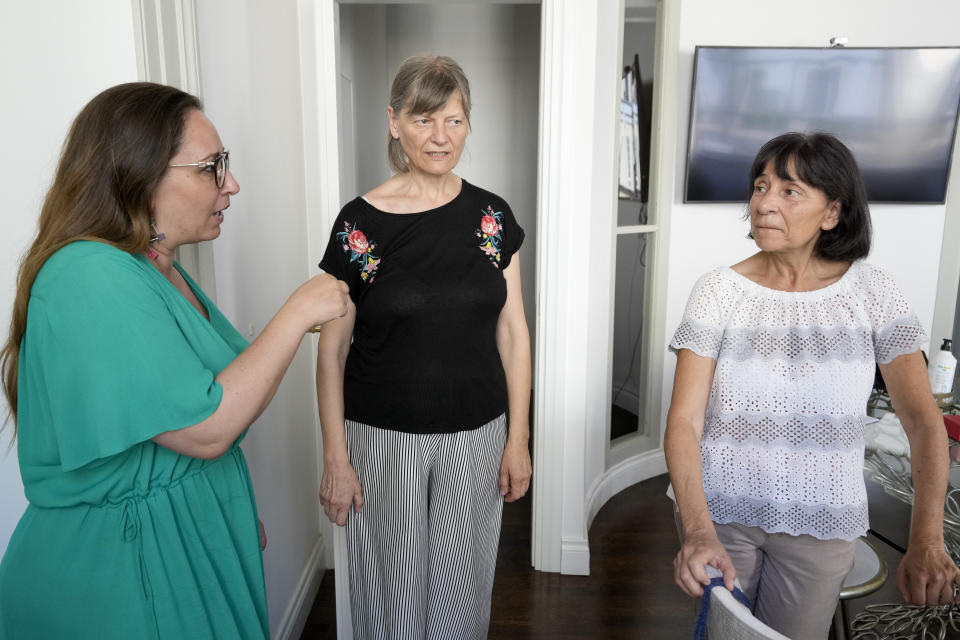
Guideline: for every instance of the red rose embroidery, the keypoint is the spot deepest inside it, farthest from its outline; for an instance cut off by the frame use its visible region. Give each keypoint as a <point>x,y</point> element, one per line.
<point>358,241</point>
<point>489,234</point>
<point>489,225</point>
<point>360,251</point>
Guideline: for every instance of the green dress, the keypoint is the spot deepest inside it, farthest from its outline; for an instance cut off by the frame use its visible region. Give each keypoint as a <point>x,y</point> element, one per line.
<point>123,538</point>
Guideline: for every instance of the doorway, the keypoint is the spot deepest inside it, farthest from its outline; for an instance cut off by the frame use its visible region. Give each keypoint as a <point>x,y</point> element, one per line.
<point>498,46</point>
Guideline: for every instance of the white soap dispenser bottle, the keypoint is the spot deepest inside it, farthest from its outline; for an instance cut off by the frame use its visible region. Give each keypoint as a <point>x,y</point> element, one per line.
<point>941,370</point>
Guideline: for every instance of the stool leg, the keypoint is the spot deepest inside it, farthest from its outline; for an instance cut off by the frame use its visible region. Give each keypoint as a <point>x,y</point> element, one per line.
<point>840,622</point>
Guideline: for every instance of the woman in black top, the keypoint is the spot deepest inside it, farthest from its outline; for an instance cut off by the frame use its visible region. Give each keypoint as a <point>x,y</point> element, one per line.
<point>417,454</point>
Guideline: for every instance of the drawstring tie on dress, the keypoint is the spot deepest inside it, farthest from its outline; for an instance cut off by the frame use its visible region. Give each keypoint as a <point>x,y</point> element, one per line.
<point>130,532</point>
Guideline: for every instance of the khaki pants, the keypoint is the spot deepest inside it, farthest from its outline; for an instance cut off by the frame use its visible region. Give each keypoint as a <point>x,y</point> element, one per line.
<point>793,581</point>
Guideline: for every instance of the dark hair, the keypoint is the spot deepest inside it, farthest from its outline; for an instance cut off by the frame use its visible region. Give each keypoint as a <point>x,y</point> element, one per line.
<point>423,84</point>
<point>117,149</point>
<point>823,162</point>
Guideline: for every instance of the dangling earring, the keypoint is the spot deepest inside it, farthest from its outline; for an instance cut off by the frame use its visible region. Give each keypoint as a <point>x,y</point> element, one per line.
<point>156,236</point>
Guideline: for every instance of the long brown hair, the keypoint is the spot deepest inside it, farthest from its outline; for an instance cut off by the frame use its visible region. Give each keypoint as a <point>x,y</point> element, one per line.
<point>117,149</point>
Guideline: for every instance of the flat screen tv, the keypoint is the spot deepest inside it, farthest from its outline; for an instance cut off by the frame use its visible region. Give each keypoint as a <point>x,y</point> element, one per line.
<point>896,108</point>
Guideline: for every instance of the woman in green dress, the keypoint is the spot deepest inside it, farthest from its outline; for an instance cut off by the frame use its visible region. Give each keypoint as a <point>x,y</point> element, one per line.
<point>130,391</point>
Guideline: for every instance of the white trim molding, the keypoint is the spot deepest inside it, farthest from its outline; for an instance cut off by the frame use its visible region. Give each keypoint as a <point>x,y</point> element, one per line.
<point>663,155</point>
<point>166,35</point>
<point>636,457</point>
<point>579,72</point>
<point>165,32</point>
<point>548,448</point>
<point>575,551</point>
<point>317,73</point>
<point>622,475</point>
<point>948,278</point>
<point>636,228</point>
<point>662,186</point>
<point>319,44</point>
<point>298,609</point>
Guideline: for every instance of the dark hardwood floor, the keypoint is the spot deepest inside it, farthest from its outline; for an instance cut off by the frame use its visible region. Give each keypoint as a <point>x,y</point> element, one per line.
<point>628,594</point>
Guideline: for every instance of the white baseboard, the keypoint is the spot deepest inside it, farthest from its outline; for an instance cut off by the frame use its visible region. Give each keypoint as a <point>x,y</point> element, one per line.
<point>622,475</point>
<point>295,617</point>
<point>574,556</point>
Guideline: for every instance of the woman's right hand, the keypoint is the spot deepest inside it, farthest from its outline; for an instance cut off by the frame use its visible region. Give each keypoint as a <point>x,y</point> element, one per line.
<point>320,299</point>
<point>339,489</point>
<point>251,380</point>
<point>689,567</point>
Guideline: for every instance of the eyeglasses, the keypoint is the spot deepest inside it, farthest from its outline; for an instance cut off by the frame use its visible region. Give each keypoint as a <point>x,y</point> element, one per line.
<point>219,166</point>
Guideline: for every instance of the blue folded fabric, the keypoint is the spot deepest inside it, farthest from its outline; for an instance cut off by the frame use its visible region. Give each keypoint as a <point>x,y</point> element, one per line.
<point>700,631</point>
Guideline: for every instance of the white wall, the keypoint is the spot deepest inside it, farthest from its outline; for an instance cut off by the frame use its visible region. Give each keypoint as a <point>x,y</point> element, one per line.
<point>498,46</point>
<point>906,237</point>
<point>54,57</point>
<point>251,89</point>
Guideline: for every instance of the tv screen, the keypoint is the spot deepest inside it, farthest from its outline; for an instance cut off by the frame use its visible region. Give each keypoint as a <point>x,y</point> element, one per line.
<point>895,108</point>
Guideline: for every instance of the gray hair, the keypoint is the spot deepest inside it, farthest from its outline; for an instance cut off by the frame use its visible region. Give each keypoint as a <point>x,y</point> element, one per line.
<point>423,84</point>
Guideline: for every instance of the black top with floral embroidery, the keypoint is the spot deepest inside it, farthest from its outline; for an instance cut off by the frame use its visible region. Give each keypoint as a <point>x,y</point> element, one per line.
<point>429,289</point>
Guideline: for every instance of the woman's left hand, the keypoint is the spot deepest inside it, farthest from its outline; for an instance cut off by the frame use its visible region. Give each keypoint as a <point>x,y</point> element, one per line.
<point>263,535</point>
<point>927,576</point>
<point>515,471</point>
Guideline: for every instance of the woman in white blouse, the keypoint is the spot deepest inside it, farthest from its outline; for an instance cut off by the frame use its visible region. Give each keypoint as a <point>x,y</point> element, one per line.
<point>775,362</point>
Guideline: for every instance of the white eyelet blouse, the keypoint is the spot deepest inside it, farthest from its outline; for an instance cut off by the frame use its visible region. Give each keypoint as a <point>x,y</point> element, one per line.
<point>782,445</point>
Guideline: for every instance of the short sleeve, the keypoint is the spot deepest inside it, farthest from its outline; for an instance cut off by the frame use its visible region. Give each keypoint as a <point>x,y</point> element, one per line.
<point>896,328</point>
<point>105,355</point>
<point>701,329</point>
<point>350,256</point>
<point>513,235</point>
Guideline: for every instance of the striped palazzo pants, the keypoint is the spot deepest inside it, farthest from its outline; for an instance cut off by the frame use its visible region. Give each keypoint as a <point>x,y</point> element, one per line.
<point>423,548</point>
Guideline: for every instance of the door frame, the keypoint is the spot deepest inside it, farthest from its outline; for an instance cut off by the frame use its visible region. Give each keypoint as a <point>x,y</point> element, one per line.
<point>166,42</point>
<point>580,48</point>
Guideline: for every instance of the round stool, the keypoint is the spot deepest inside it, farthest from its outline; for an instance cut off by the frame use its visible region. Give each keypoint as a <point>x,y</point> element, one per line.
<point>868,574</point>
